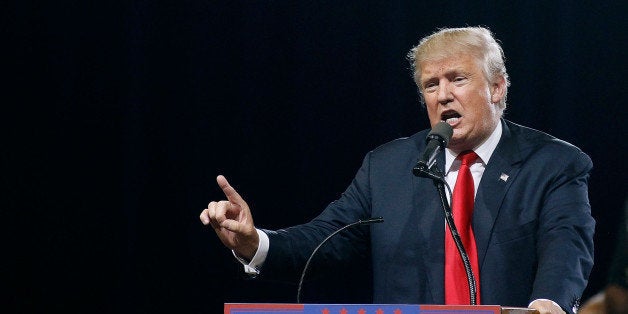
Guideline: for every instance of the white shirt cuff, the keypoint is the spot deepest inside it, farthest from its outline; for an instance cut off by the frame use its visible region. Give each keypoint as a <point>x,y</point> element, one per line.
<point>558,306</point>
<point>252,267</point>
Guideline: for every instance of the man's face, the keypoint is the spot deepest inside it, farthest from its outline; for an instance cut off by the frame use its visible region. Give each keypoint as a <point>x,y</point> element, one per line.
<point>457,92</point>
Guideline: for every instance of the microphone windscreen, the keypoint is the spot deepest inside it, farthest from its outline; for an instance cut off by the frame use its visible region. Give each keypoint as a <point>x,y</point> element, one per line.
<point>442,130</point>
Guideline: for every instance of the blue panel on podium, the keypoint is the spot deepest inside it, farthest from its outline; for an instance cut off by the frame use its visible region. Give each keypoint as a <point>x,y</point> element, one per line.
<point>266,308</point>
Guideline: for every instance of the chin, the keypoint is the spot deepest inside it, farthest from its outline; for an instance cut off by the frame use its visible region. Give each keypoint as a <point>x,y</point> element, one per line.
<point>453,144</point>
<point>458,144</point>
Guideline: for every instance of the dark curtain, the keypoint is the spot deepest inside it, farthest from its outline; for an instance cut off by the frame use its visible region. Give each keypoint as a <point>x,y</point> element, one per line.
<point>120,114</point>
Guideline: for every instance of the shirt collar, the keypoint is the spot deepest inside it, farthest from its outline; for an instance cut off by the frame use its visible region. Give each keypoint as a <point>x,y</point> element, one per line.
<point>484,150</point>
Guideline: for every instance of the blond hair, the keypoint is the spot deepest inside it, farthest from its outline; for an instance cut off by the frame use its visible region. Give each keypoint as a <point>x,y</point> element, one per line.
<point>477,41</point>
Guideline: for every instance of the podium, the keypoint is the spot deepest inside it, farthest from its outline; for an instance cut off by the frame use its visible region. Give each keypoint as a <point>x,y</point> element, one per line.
<point>276,308</point>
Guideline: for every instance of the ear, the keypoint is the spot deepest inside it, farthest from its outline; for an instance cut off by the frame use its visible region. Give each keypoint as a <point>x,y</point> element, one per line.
<point>498,89</point>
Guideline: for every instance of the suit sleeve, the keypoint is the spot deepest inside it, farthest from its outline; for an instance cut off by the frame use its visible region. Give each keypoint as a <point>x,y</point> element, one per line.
<point>565,235</point>
<point>290,248</point>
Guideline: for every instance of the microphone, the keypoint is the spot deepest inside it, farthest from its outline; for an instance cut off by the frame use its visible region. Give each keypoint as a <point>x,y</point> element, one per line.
<point>307,264</point>
<point>436,140</point>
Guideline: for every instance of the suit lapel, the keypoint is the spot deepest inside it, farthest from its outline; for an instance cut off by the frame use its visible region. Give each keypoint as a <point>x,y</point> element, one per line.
<point>500,172</point>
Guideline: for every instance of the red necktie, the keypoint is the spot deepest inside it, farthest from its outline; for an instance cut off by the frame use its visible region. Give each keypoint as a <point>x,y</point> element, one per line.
<point>456,286</point>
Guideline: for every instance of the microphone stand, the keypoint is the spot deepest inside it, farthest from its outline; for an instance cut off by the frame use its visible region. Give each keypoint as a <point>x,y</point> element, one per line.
<point>440,183</point>
<point>307,264</point>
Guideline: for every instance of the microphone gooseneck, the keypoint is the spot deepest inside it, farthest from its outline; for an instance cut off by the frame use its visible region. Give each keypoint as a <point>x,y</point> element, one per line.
<point>449,218</point>
<point>437,140</point>
<point>307,264</point>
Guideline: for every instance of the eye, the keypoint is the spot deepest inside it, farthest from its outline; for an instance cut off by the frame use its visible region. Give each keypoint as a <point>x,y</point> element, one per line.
<point>460,79</point>
<point>430,87</point>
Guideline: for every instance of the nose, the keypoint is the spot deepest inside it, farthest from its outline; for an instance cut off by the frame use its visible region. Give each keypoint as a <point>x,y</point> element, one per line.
<point>444,94</point>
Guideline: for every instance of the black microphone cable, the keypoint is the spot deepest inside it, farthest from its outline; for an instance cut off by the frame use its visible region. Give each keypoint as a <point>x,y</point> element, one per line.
<point>449,218</point>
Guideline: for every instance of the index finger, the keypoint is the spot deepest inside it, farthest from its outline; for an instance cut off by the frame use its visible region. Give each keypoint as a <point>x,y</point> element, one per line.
<point>229,191</point>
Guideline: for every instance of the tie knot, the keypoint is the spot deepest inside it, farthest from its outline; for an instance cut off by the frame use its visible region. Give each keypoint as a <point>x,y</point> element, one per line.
<point>467,157</point>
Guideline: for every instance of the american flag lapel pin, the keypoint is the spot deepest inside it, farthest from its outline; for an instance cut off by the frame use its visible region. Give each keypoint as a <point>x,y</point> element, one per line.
<point>503,177</point>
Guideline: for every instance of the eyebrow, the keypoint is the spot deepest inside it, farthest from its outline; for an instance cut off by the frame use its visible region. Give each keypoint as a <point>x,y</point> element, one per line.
<point>448,73</point>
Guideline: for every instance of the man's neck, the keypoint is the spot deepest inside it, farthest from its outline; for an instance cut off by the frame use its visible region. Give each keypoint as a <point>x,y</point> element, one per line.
<point>484,150</point>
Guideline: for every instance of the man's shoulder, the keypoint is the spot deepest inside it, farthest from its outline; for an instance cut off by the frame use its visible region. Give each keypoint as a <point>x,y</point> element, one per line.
<point>533,138</point>
<point>533,143</point>
<point>412,143</point>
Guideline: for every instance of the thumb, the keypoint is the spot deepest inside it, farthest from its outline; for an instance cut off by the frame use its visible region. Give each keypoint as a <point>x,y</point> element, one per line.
<point>231,225</point>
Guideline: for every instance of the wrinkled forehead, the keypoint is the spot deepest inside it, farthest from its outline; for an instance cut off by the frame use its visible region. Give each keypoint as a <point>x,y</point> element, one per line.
<point>448,61</point>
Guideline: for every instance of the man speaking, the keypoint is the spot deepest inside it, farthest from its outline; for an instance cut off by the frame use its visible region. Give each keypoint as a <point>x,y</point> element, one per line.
<point>520,200</point>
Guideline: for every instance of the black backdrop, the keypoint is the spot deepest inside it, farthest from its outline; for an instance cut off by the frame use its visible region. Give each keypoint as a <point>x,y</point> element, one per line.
<point>119,115</point>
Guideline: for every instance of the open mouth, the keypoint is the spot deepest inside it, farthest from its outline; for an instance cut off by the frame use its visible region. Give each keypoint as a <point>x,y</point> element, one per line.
<point>451,117</point>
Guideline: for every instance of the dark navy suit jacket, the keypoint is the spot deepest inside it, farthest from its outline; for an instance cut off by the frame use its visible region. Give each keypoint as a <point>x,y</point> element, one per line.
<point>532,222</point>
